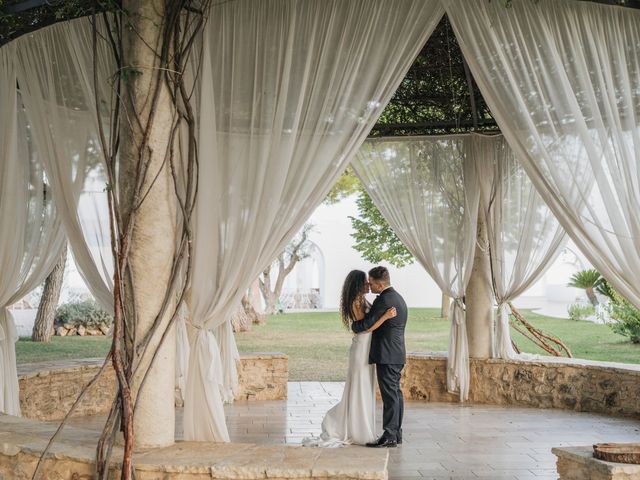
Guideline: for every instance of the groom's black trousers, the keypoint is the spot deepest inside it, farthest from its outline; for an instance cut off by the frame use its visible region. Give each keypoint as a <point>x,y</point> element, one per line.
<point>392,401</point>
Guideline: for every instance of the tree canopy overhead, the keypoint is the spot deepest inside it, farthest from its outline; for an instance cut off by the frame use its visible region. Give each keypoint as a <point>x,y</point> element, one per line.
<point>18,17</point>
<point>437,96</point>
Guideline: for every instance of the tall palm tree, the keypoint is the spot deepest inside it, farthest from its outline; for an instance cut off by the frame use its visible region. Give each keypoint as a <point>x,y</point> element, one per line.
<point>588,279</point>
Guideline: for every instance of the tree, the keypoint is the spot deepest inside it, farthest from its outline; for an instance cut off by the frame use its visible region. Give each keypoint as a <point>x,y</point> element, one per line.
<point>246,315</point>
<point>151,189</point>
<point>347,185</point>
<point>377,242</point>
<point>146,128</point>
<point>282,266</point>
<point>240,321</point>
<point>373,236</point>
<point>589,280</point>
<point>43,326</point>
<point>18,17</point>
<point>252,306</point>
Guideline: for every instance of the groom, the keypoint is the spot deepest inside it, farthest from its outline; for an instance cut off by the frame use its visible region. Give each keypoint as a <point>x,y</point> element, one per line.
<point>387,352</point>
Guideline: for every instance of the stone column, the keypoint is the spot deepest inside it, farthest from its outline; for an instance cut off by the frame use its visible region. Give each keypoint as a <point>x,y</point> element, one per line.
<point>153,236</point>
<point>479,296</point>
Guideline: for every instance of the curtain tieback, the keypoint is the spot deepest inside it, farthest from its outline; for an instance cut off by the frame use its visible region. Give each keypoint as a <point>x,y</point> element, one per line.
<point>502,306</point>
<point>8,330</point>
<point>457,312</point>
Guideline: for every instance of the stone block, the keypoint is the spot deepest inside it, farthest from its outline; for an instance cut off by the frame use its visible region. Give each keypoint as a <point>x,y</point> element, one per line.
<point>578,463</point>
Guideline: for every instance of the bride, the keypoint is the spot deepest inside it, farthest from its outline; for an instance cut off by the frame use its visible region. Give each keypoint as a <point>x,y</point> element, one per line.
<point>352,420</point>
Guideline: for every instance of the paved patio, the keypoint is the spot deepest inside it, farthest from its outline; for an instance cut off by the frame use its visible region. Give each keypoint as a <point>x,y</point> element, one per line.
<point>441,441</point>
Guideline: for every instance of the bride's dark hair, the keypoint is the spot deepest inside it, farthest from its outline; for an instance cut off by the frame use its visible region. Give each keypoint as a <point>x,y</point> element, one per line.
<point>352,288</point>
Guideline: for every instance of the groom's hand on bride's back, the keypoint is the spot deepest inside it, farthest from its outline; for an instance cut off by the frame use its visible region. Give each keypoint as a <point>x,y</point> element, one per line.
<point>378,309</point>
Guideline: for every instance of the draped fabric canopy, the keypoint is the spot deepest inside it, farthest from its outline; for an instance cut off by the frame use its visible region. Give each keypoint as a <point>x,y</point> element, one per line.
<point>32,237</point>
<point>428,190</point>
<point>563,81</point>
<point>55,70</point>
<point>281,115</point>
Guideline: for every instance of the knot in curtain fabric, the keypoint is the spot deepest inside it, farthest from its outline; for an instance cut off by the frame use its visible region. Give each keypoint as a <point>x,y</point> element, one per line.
<point>430,190</point>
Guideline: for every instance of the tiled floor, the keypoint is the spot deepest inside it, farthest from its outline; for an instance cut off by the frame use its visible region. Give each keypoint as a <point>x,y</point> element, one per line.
<point>441,441</point>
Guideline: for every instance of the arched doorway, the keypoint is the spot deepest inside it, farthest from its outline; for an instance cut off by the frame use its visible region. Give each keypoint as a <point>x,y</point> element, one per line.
<point>303,288</point>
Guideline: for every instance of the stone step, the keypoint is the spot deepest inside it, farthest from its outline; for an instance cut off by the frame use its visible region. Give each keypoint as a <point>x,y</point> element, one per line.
<point>578,463</point>
<point>72,457</point>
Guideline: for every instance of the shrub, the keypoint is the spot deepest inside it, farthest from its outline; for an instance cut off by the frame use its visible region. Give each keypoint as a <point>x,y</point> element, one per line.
<point>580,311</point>
<point>86,313</point>
<point>624,317</point>
<point>605,289</point>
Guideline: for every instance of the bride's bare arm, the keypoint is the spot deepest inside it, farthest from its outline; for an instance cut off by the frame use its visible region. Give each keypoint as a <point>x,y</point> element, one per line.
<point>390,313</point>
<point>356,308</point>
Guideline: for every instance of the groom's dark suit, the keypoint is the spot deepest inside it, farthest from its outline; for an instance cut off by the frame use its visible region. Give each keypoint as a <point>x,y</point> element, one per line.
<point>388,353</point>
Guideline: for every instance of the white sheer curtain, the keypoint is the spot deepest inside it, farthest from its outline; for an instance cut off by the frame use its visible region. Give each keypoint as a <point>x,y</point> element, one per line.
<point>427,189</point>
<point>290,89</point>
<point>31,234</point>
<point>55,73</point>
<point>524,236</point>
<point>563,81</point>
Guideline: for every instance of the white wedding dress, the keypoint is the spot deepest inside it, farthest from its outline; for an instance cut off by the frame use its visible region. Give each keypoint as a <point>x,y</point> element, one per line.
<point>352,420</point>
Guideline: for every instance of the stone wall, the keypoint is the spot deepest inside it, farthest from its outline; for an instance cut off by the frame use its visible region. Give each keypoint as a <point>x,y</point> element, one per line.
<point>48,389</point>
<point>581,385</point>
<point>263,376</point>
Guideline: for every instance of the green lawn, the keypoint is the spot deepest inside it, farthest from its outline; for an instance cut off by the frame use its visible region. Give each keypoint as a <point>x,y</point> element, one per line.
<point>61,348</point>
<point>317,343</point>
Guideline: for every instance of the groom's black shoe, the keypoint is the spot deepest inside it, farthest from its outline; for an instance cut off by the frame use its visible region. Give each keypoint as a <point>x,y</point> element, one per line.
<point>399,438</point>
<point>383,442</point>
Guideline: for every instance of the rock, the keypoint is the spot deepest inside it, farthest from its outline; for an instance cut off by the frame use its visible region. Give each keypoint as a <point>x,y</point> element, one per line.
<point>82,331</point>
<point>72,331</point>
<point>61,331</point>
<point>94,331</point>
<point>104,328</point>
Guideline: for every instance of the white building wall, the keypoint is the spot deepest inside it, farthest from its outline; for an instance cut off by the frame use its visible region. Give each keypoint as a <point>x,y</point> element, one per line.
<point>332,234</point>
